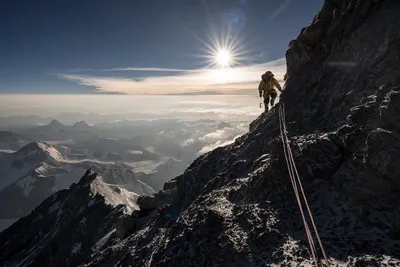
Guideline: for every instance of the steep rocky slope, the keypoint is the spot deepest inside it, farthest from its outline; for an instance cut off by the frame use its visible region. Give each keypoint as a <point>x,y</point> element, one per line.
<point>235,205</point>
<point>64,228</point>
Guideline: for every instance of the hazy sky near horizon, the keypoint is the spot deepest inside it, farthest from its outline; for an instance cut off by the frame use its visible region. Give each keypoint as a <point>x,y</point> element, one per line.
<point>105,108</point>
<point>145,47</point>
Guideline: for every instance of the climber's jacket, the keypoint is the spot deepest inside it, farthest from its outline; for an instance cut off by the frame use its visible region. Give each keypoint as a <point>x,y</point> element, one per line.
<point>267,84</point>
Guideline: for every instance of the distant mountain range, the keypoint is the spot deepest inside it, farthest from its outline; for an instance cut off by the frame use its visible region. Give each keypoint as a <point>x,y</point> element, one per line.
<point>38,170</point>
<point>152,153</point>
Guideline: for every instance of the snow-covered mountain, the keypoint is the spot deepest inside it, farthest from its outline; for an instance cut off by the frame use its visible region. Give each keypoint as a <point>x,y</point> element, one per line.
<point>38,170</point>
<point>67,225</point>
<point>122,176</point>
<point>29,190</point>
<point>14,166</point>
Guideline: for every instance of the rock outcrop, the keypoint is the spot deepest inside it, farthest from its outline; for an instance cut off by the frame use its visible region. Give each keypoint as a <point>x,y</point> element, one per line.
<point>66,227</point>
<point>235,205</point>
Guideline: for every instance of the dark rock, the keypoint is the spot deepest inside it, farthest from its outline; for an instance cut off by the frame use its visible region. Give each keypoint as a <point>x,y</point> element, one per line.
<point>125,226</point>
<point>153,202</point>
<point>235,206</point>
<point>63,228</point>
<point>170,185</point>
<point>383,150</point>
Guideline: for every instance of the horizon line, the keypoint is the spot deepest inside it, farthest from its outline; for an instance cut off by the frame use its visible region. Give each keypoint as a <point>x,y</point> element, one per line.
<point>124,94</point>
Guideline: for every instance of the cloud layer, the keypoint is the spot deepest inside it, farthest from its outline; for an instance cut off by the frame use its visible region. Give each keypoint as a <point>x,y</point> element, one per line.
<point>221,137</point>
<point>237,80</point>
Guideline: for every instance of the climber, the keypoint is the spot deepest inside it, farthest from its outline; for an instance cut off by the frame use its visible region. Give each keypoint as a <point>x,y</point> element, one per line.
<point>266,88</point>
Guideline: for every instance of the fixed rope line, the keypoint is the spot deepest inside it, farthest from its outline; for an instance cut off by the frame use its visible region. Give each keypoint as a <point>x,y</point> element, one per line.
<point>295,188</point>
<point>302,190</point>
<point>309,211</point>
<point>294,174</point>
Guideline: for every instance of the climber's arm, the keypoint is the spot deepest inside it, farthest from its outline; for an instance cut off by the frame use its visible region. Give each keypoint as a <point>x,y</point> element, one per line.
<point>277,84</point>
<point>260,88</point>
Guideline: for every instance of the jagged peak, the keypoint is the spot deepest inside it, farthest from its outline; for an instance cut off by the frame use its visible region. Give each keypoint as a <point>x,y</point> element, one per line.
<point>38,147</point>
<point>113,195</point>
<point>90,176</point>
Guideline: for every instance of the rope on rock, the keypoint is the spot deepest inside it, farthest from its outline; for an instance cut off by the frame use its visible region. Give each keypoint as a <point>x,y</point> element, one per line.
<point>296,183</point>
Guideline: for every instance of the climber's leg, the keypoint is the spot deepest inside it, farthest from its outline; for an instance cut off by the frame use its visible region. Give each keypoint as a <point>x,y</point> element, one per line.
<point>266,102</point>
<point>274,94</point>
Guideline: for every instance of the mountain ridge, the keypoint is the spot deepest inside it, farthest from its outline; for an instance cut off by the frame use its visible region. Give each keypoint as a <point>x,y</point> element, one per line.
<point>234,206</point>
<point>38,170</point>
<point>64,212</point>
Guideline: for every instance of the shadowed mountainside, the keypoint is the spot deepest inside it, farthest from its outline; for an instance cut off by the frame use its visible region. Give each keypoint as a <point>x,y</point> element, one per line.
<point>235,205</point>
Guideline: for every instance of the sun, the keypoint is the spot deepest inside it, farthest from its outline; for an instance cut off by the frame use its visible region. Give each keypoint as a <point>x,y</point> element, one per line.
<point>223,58</point>
<point>223,50</point>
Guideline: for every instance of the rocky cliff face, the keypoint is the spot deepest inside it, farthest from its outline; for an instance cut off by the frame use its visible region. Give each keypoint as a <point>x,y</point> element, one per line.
<point>235,205</point>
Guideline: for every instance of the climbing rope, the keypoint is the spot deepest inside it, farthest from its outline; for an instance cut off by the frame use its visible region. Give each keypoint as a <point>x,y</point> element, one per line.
<point>296,183</point>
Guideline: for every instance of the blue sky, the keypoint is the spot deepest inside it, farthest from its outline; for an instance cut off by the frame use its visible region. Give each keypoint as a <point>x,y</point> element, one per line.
<point>144,46</point>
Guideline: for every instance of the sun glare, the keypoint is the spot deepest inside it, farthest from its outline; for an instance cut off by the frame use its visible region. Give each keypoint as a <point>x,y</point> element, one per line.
<point>223,58</point>
<point>223,50</point>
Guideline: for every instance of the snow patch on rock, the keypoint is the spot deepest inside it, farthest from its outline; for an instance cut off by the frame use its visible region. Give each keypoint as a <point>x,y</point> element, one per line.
<point>51,151</point>
<point>116,196</point>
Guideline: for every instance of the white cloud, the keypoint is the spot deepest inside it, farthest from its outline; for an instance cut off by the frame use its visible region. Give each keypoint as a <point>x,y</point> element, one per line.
<point>204,142</point>
<point>189,142</point>
<point>219,143</point>
<point>205,81</point>
<point>221,137</point>
<point>215,136</point>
